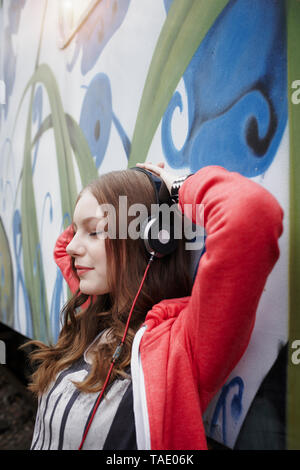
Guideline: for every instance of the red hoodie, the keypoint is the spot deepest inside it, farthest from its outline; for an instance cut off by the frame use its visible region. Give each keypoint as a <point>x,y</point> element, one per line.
<point>188,346</point>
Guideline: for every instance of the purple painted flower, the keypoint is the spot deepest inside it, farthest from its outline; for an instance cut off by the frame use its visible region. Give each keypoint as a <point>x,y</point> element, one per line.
<point>97,30</point>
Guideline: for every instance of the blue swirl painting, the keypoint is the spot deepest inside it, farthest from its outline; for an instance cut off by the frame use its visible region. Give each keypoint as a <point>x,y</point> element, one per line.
<point>236,92</point>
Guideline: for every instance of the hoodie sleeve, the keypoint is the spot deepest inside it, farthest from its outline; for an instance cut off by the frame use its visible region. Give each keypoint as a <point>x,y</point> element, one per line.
<point>243,222</point>
<point>63,260</point>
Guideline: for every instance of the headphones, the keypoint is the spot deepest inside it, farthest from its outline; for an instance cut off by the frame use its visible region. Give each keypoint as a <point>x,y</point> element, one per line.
<point>156,234</point>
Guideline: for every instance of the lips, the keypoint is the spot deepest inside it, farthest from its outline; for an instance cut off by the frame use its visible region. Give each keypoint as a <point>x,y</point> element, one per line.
<point>82,270</point>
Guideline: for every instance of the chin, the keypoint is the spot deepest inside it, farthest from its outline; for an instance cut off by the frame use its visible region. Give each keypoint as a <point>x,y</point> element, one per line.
<point>90,290</point>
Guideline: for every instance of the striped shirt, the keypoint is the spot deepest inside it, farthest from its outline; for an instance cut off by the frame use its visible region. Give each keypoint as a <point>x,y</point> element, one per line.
<point>64,411</point>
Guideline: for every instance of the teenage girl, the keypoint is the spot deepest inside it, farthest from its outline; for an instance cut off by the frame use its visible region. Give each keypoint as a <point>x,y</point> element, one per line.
<point>143,347</point>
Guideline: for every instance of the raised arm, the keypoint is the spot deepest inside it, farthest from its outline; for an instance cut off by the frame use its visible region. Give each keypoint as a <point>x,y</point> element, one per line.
<point>63,260</point>
<point>243,222</point>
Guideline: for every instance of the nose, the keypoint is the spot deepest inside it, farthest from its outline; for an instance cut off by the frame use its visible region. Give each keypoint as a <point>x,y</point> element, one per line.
<point>75,247</point>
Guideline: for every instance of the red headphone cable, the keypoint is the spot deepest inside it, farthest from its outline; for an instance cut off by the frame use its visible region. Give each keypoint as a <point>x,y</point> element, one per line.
<point>115,355</point>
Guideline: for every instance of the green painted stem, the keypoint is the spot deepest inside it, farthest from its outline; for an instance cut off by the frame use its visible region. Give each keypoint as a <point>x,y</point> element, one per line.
<point>185,27</point>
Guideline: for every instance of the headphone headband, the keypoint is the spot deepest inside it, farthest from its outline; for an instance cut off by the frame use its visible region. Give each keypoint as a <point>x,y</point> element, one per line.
<point>161,191</point>
<point>157,239</point>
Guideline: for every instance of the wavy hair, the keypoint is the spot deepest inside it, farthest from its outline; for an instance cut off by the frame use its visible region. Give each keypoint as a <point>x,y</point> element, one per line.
<point>168,277</point>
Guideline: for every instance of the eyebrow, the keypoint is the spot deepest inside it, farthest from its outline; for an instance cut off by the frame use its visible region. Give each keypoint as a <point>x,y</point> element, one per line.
<point>87,220</point>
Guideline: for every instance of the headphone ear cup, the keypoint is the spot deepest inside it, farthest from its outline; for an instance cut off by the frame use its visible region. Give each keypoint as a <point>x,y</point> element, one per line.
<point>157,238</point>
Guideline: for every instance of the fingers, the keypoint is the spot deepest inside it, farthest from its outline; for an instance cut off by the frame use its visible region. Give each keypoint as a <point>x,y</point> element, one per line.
<point>158,170</point>
<point>155,169</point>
<point>160,164</point>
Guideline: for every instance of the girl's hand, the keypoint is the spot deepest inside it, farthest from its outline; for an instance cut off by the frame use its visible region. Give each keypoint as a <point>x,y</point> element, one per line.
<point>158,170</point>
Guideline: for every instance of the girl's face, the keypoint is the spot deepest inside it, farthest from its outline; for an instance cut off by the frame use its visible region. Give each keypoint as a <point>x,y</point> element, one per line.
<point>88,246</point>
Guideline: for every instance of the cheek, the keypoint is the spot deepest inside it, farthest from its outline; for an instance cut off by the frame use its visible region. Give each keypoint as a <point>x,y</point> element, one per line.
<point>99,256</point>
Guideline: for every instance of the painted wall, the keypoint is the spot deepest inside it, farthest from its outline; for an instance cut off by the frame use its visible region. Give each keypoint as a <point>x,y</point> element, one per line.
<point>193,83</point>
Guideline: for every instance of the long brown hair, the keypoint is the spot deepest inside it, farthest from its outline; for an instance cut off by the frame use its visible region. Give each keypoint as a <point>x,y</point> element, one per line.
<point>168,277</point>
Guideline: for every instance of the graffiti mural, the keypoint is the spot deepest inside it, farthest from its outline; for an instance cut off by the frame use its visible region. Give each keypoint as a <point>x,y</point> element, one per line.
<point>241,101</point>
<point>138,80</point>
